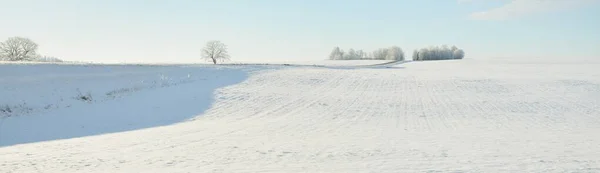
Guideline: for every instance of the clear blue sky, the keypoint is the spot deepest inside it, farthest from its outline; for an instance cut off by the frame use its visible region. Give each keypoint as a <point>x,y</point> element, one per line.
<point>285,30</point>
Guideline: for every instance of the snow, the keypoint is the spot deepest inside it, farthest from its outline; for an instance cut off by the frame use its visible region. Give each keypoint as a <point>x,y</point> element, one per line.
<point>471,115</point>
<point>45,100</point>
<point>329,63</point>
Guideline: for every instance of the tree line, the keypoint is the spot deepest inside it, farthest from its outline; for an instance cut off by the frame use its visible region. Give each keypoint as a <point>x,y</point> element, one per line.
<point>395,53</point>
<point>24,49</point>
<point>391,53</point>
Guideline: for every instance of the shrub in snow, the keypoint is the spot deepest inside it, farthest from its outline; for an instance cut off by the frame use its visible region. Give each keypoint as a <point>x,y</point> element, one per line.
<point>438,53</point>
<point>115,93</point>
<point>8,110</point>
<point>391,53</point>
<point>84,97</point>
<point>5,109</point>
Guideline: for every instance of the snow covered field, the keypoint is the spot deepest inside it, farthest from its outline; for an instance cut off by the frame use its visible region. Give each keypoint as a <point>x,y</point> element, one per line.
<point>335,63</point>
<point>486,115</point>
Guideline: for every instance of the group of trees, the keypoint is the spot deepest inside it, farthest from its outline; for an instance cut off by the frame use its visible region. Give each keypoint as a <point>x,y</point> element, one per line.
<point>395,53</point>
<point>438,53</point>
<point>24,49</point>
<point>391,53</point>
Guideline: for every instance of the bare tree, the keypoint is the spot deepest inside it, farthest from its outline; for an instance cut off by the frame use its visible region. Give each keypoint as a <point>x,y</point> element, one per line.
<point>215,51</point>
<point>18,49</point>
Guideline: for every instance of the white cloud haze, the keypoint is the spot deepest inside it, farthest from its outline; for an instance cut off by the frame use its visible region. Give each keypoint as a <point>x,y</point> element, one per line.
<point>520,8</point>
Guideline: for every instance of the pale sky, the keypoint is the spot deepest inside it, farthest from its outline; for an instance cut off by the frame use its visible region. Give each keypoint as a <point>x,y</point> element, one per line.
<point>285,30</point>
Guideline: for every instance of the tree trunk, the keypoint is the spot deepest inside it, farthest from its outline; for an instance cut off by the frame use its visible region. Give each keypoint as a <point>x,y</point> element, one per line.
<point>214,61</point>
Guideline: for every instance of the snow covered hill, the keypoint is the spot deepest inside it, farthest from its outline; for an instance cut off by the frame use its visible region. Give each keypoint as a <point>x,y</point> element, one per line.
<point>49,102</point>
<point>468,115</point>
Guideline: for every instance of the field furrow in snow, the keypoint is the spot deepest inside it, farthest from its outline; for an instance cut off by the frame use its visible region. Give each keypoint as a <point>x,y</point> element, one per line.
<point>450,116</point>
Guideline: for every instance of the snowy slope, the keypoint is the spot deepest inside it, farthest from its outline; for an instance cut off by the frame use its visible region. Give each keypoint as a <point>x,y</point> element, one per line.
<point>45,102</point>
<point>439,116</point>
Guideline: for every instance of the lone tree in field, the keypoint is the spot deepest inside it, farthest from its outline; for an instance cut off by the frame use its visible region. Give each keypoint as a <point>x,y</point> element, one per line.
<point>215,51</point>
<point>18,49</point>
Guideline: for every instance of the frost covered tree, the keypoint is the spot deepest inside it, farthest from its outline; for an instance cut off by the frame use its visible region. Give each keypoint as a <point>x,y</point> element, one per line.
<point>454,48</point>
<point>438,53</point>
<point>336,54</point>
<point>415,56</point>
<point>351,55</point>
<point>18,49</point>
<point>445,51</point>
<point>391,53</point>
<point>458,54</point>
<point>361,54</point>
<point>380,54</point>
<point>215,51</point>
<point>355,55</point>
<point>395,53</point>
<point>422,54</point>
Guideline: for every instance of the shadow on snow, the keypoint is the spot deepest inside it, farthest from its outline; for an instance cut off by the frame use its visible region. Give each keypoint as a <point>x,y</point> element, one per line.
<point>141,109</point>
